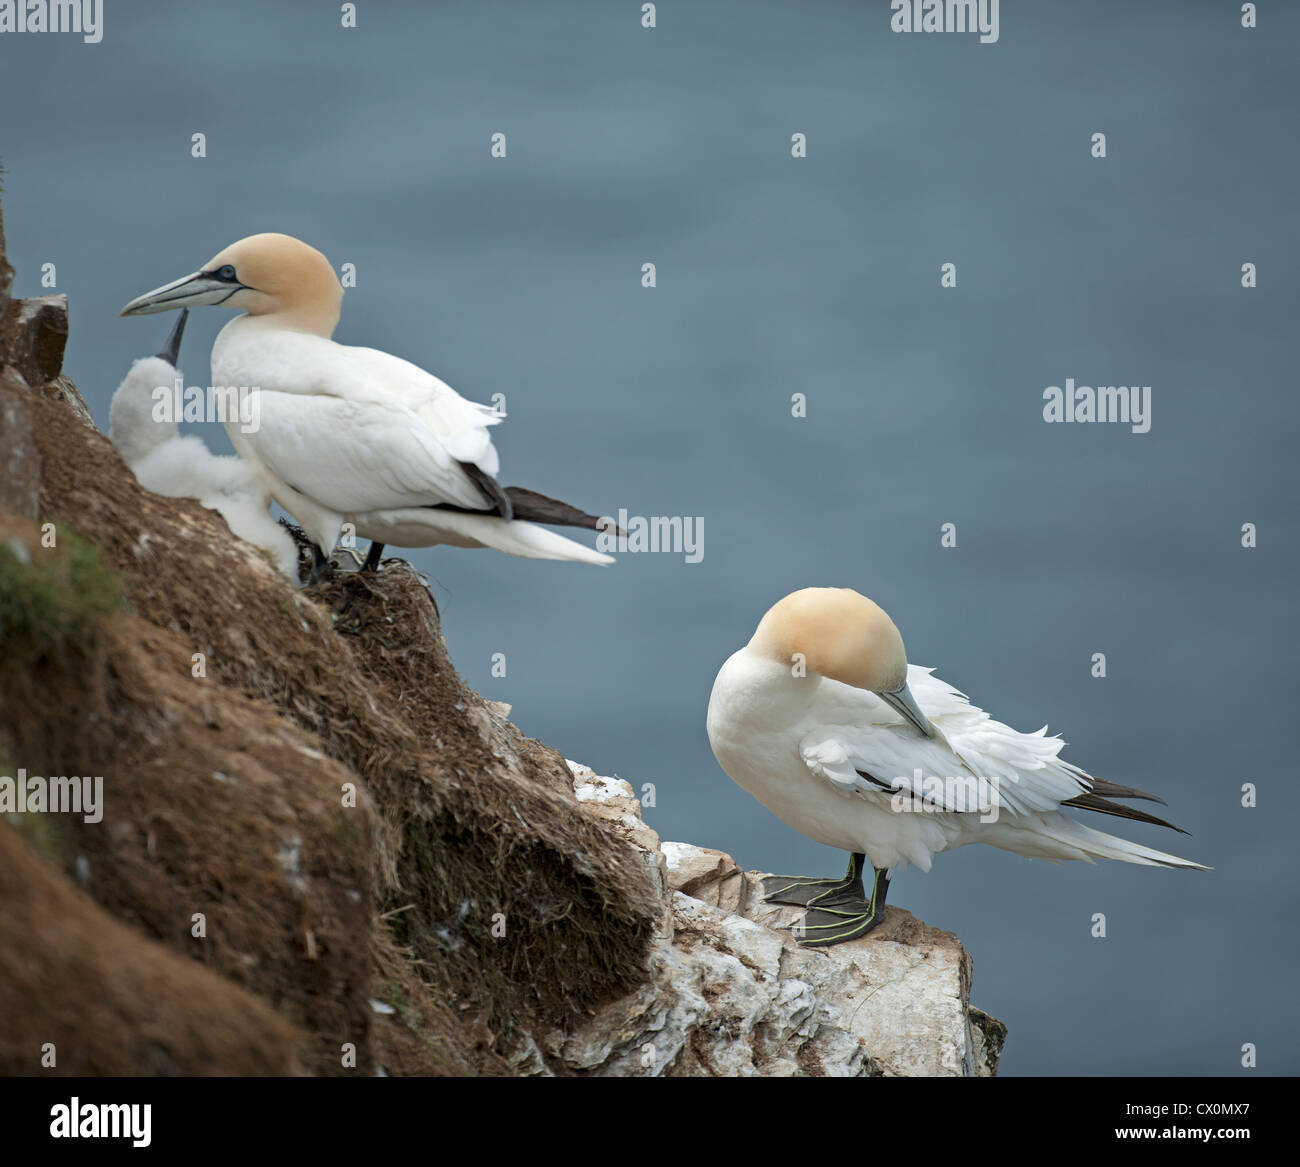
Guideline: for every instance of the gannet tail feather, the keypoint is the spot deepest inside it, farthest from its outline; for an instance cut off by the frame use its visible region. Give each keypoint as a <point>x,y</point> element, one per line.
<point>527,540</point>
<point>1087,844</point>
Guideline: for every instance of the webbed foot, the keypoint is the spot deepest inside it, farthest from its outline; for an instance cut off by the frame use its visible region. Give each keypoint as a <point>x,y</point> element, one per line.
<point>838,909</point>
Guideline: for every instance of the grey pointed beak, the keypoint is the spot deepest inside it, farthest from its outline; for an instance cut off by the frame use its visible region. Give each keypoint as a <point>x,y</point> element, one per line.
<point>905,703</point>
<point>172,349</point>
<point>187,292</point>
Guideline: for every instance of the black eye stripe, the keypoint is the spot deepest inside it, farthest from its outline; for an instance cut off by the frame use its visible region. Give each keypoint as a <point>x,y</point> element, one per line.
<point>225,272</point>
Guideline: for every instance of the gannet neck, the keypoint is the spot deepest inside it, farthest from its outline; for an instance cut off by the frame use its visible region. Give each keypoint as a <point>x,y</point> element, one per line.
<point>313,320</point>
<point>836,633</point>
<point>774,691</point>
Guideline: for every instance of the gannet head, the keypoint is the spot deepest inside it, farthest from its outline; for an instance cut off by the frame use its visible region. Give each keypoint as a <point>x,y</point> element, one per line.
<point>133,426</point>
<point>266,275</point>
<point>840,634</point>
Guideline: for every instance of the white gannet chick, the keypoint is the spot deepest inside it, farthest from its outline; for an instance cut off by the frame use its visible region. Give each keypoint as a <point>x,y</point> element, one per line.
<point>355,435</point>
<point>821,718</point>
<point>183,467</point>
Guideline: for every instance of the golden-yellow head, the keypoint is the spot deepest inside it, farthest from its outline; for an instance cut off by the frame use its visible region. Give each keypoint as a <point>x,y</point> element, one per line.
<point>837,633</point>
<point>267,274</point>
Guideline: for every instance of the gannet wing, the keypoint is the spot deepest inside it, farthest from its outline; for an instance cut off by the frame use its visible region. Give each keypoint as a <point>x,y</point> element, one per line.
<point>358,455</point>
<point>972,764</point>
<point>313,370</point>
<point>461,425</point>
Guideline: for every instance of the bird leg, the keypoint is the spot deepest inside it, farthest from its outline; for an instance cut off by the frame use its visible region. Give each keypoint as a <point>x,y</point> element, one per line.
<point>846,914</point>
<point>373,556</point>
<point>319,560</point>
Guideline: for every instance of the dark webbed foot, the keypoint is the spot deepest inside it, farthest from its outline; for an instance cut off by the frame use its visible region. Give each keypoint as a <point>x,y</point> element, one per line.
<point>804,892</point>
<point>822,927</point>
<point>373,556</point>
<point>319,562</point>
<point>799,891</point>
<point>838,909</point>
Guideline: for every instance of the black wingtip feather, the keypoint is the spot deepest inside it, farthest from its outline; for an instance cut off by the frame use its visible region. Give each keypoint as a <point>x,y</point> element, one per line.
<point>541,508</point>
<point>1103,806</point>
<point>1108,789</point>
<point>491,488</point>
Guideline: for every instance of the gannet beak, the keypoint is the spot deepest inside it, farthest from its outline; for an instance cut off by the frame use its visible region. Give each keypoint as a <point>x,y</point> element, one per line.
<point>903,701</point>
<point>187,292</point>
<point>172,349</point>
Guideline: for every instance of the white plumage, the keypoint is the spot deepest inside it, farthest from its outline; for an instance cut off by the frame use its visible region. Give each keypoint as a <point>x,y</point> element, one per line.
<point>179,466</point>
<point>846,768</point>
<point>340,435</point>
<point>360,436</point>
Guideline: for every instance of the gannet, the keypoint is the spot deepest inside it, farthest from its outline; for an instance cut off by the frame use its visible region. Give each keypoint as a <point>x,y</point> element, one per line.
<point>355,435</point>
<point>183,467</point>
<point>821,718</point>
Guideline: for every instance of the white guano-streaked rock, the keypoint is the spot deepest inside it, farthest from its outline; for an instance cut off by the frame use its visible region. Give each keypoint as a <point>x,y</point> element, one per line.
<point>730,993</point>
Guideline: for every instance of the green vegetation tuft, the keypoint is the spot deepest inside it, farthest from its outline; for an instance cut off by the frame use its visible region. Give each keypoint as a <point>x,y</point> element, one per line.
<point>52,600</point>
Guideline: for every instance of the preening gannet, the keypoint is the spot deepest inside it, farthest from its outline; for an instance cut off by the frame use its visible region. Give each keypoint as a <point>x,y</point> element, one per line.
<point>821,718</point>
<point>183,467</point>
<point>355,435</point>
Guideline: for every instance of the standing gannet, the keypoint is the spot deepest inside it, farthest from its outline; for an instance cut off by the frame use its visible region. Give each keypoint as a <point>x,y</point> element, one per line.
<point>355,435</point>
<point>183,467</point>
<point>821,718</point>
